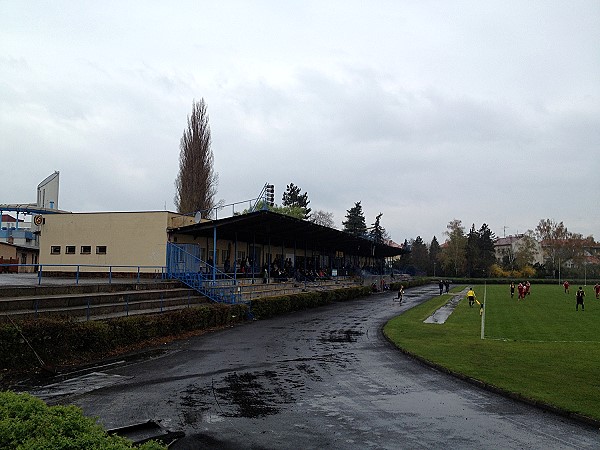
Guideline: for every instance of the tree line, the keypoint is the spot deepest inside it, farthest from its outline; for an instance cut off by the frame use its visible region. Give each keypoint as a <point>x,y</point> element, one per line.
<point>548,251</point>
<point>462,253</point>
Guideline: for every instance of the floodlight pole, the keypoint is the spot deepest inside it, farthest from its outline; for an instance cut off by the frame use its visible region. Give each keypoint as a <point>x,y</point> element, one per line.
<point>483,314</point>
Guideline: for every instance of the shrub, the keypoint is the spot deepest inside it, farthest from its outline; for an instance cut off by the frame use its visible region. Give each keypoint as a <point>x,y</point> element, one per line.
<point>27,423</point>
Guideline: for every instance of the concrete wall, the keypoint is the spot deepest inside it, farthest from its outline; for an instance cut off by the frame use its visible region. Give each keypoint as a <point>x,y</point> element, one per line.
<point>7,251</point>
<point>129,238</point>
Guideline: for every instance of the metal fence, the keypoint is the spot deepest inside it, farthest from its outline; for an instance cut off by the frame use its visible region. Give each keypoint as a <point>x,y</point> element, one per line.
<point>80,272</point>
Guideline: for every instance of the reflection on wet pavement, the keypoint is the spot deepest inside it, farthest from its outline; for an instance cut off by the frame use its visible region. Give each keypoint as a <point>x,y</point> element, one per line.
<point>78,385</point>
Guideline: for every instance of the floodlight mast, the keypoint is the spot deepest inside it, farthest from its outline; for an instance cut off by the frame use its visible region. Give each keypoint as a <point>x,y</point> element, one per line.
<point>267,195</point>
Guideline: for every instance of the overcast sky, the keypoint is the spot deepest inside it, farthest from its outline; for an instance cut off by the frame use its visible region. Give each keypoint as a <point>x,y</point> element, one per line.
<point>425,111</point>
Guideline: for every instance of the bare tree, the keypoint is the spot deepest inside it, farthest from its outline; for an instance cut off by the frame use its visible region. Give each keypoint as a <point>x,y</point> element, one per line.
<point>196,183</point>
<point>324,218</point>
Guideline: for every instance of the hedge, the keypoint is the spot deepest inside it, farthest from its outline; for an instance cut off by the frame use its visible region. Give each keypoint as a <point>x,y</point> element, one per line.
<point>65,341</point>
<point>59,341</point>
<point>264,308</point>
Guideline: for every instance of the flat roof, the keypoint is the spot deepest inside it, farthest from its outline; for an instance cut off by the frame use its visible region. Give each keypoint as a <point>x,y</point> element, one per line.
<point>268,227</point>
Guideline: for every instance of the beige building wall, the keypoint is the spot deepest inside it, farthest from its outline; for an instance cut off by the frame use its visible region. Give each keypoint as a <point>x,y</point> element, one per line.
<point>107,239</point>
<point>7,251</point>
<point>18,255</point>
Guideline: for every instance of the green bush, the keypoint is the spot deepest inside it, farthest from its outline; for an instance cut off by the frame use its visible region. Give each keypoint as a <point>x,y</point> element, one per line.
<point>27,423</point>
<point>266,307</point>
<point>59,341</point>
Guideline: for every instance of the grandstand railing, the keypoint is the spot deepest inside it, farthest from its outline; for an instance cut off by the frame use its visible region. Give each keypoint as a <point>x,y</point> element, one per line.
<point>87,271</point>
<point>186,266</point>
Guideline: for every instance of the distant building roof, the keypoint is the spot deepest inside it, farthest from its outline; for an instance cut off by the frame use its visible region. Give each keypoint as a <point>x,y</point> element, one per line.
<point>9,218</point>
<point>508,240</point>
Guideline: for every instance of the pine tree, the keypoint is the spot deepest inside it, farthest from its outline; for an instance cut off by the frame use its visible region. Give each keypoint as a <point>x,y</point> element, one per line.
<point>292,197</point>
<point>355,221</point>
<point>420,257</point>
<point>434,253</point>
<point>377,232</point>
<point>487,251</point>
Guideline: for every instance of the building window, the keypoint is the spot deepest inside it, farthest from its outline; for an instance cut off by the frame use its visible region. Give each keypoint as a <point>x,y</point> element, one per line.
<point>100,249</point>
<point>70,250</point>
<point>86,249</point>
<point>55,250</point>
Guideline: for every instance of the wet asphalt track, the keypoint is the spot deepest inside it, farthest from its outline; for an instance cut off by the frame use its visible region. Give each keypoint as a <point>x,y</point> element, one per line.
<point>323,378</point>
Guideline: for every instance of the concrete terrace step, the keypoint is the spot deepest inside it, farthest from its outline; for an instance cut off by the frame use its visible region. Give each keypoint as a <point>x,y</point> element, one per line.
<point>48,302</point>
<point>137,312</point>
<point>46,290</point>
<point>115,309</point>
<point>99,301</point>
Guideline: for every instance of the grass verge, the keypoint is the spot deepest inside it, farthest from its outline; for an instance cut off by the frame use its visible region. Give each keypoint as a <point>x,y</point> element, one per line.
<point>540,349</point>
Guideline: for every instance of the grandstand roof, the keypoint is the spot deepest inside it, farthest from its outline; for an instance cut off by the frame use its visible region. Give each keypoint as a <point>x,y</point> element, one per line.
<point>267,227</point>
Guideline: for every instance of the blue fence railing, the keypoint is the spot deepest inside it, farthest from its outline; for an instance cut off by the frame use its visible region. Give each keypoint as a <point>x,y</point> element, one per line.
<point>79,271</point>
<point>184,264</point>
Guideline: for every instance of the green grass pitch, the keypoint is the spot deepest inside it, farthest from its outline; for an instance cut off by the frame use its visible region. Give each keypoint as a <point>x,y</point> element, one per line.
<point>539,347</point>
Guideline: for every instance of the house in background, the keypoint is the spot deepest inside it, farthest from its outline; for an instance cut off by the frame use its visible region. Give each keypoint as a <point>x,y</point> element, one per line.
<point>506,249</point>
<point>17,254</point>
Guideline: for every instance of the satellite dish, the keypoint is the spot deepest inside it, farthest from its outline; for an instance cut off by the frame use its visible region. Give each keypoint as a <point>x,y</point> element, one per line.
<point>198,217</point>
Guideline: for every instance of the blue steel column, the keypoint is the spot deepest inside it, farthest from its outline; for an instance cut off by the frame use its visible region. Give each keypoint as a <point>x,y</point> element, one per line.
<point>235,258</point>
<point>214,274</point>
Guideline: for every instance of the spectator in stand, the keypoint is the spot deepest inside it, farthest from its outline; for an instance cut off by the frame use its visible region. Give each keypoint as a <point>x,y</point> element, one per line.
<point>265,273</point>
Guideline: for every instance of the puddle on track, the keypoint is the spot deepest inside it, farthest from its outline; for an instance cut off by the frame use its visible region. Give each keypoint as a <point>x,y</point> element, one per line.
<point>78,385</point>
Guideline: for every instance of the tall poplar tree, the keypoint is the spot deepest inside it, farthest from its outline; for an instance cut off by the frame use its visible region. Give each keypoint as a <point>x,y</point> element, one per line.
<point>196,183</point>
